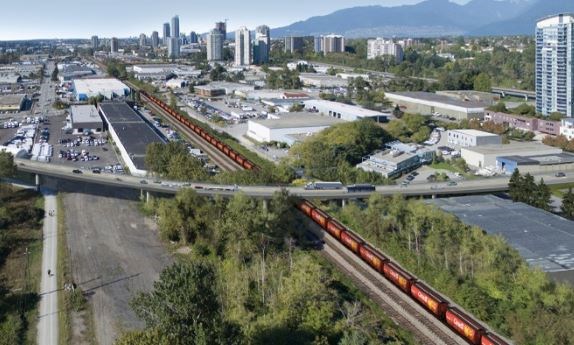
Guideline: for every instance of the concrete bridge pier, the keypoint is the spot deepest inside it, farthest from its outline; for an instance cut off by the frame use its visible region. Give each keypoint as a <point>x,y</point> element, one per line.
<point>37,182</point>
<point>433,196</point>
<point>265,204</point>
<point>343,203</point>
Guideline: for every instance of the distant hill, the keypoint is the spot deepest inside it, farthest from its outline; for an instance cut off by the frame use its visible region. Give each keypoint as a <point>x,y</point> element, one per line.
<point>525,22</point>
<point>431,18</point>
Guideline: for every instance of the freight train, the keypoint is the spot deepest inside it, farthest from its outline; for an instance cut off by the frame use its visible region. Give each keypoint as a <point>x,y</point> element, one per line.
<point>463,324</point>
<point>222,147</point>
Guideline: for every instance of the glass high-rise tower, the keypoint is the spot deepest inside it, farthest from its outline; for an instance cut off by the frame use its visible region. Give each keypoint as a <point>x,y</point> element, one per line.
<point>555,65</point>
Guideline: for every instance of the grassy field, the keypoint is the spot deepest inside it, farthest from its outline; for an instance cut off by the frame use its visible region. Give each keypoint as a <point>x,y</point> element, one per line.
<point>560,189</point>
<point>21,213</point>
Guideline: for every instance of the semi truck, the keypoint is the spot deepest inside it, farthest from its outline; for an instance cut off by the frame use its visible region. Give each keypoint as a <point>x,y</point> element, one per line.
<point>323,185</point>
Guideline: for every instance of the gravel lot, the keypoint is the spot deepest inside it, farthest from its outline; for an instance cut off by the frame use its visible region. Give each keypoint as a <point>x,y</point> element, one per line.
<point>115,252</point>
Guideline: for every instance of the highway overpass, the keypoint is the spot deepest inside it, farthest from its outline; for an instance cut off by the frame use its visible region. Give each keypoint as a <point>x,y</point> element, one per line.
<point>516,93</point>
<point>475,186</point>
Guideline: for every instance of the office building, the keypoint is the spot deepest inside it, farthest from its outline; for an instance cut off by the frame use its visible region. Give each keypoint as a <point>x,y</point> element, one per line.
<point>555,65</point>
<point>193,38</point>
<point>154,40</point>
<point>221,27</point>
<point>215,45</point>
<point>294,44</point>
<point>318,44</point>
<point>330,44</point>
<point>242,47</point>
<point>166,33</point>
<point>143,40</point>
<point>262,45</point>
<point>175,27</point>
<point>95,43</point>
<point>173,47</point>
<point>381,47</point>
<point>114,45</point>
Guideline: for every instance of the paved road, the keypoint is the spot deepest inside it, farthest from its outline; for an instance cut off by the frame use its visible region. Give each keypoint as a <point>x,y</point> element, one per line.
<point>48,319</point>
<point>489,185</point>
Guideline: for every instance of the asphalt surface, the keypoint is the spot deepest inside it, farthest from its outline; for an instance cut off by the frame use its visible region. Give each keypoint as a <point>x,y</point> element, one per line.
<point>115,252</point>
<point>486,185</point>
<point>48,317</point>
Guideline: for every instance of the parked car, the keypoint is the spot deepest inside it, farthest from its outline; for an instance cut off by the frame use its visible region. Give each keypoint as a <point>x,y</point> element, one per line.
<point>560,174</point>
<point>77,171</point>
<point>452,183</point>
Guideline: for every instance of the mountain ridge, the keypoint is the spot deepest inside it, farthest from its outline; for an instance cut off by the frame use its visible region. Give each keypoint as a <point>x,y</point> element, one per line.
<point>430,18</point>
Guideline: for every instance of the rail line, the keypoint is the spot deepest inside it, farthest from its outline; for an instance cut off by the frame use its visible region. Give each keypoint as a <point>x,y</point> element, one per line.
<point>217,157</point>
<point>407,300</point>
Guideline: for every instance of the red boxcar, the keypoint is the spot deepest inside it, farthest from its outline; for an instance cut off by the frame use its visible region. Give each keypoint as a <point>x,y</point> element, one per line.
<point>464,325</point>
<point>351,241</point>
<point>248,165</point>
<point>371,256</point>
<point>198,130</point>
<point>320,217</point>
<point>399,277</point>
<point>491,339</point>
<point>232,154</point>
<point>429,299</point>
<point>335,228</point>
<point>306,207</point>
<point>220,146</point>
<point>239,159</point>
<point>226,150</point>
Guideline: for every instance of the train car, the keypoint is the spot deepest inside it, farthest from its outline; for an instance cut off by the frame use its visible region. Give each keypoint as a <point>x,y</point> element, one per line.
<point>491,339</point>
<point>226,150</point>
<point>464,325</point>
<point>429,299</point>
<point>232,154</point>
<point>220,146</point>
<point>351,241</point>
<point>320,217</point>
<point>306,207</point>
<point>335,228</point>
<point>239,159</point>
<point>213,141</point>
<point>398,277</point>
<point>372,256</point>
<point>198,130</point>
<point>248,165</point>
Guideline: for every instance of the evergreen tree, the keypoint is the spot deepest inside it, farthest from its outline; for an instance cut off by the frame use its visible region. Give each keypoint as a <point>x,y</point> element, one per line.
<point>567,207</point>
<point>514,186</point>
<point>542,197</point>
<point>528,189</point>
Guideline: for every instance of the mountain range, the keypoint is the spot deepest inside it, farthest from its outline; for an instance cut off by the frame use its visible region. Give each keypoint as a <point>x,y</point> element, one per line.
<point>431,18</point>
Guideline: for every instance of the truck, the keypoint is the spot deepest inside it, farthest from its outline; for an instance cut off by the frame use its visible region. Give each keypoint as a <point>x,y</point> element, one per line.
<point>323,185</point>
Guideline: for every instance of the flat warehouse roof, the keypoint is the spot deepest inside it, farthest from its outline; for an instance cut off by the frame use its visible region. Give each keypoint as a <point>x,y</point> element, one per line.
<point>543,239</point>
<point>135,137</point>
<point>418,96</point>
<point>514,148</point>
<point>119,112</point>
<point>11,99</point>
<point>474,132</point>
<point>85,114</point>
<point>299,120</point>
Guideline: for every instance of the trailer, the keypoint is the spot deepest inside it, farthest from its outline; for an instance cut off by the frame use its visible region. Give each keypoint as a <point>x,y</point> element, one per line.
<point>323,185</point>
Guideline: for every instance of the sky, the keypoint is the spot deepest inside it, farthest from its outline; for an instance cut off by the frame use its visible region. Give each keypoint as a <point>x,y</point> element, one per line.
<point>33,19</point>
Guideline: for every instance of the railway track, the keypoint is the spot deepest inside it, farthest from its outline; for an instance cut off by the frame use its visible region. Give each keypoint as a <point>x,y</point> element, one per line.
<point>224,162</point>
<point>398,306</point>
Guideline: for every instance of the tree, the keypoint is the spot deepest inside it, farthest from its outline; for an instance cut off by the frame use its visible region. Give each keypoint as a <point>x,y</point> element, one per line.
<point>296,107</point>
<point>482,83</point>
<point>55,74</point>
<point>499,107</point>
<point>567,207</point>
<point>542,196</point>
<point>183,305</point>
<point>7,166</point>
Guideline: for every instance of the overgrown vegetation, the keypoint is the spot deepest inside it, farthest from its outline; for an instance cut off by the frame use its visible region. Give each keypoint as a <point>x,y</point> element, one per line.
<point>248,281</point>
<point>283,79</point>
<point>410,128</point>
<point>479,272</point>
<point>332,154</point>
<point>20,264</point>
<point>172,160</point>
<point>560,141</point>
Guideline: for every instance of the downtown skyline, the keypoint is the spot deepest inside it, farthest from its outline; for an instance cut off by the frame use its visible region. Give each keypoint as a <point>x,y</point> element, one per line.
<point>47,21</point>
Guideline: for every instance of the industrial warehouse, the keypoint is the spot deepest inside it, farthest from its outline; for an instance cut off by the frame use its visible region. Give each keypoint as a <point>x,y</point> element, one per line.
<point>343,111</point>
<point>289,127</point>
<point>109,88</point>
<point>428,103</point>
<point>543,239</point>
<point>131,134</point>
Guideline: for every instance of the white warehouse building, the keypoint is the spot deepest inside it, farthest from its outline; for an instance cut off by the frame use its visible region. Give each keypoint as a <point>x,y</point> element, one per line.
<point>344,112</point>
<point>485,156</point>
<point>472,137</point>
<point>110,88</point>
<point>289,128</point>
